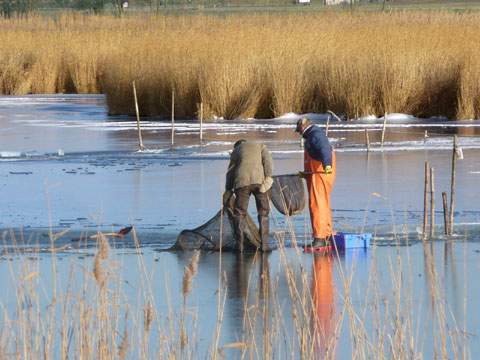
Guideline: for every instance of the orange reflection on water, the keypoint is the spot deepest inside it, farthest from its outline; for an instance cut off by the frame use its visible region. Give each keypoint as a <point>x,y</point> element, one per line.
<point>323,303</point>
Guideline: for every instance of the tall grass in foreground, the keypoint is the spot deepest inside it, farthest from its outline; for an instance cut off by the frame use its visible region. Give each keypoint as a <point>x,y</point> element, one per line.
<point>422,63</point>
<point>94,319</point>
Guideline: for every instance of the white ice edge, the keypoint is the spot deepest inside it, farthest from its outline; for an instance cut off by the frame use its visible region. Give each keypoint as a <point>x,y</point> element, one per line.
<point>229,128</point>
<point>440,144</point>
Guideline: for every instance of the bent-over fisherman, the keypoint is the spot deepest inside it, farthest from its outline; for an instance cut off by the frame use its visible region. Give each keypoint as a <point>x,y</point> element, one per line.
<point>249,172</point>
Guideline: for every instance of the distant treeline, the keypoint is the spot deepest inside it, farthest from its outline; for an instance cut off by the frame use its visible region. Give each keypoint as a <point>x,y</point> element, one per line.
<point>247,65</point>
<point>22,8</point>
<point>11,8</point>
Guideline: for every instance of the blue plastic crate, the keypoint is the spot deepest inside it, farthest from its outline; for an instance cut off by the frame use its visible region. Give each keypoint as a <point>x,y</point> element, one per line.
<point>352,241</point>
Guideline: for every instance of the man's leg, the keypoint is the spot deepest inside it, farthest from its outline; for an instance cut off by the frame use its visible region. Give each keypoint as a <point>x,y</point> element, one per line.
<point>263,208</point>
<point>319,201</point>
<point>319,189</point>
<point>242,196</point>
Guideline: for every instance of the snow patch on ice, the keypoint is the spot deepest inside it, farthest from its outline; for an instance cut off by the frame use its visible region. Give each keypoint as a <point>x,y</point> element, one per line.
<point>368,118</point>
<point>151,151</point>
<point>295,117</point>
<point>219,143</point>
<point>399,117</point>
<point>289,116</point>
<point>12,154</point>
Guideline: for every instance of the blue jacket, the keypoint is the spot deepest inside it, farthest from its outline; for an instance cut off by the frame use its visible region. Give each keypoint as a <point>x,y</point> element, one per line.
<point>317,145</point>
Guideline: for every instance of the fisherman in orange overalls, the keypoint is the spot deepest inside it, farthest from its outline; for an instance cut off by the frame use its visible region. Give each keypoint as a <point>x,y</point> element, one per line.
<point>319,171</point>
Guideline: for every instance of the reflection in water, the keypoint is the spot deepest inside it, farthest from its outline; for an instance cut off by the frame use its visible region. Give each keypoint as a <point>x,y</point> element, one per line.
<point>452,287</point>
<point>430,272</point>
<point>265,296</point>
<point>444,302</point>
<point>238,278</point>
<point>249,286</point>
<point>323,304</point>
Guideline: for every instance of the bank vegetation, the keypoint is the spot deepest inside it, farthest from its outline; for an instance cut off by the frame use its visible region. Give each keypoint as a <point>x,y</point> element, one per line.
<point>264,65</point>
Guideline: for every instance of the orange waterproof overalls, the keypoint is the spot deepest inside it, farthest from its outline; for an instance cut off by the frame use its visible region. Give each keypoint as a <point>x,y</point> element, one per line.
<point>319,187</point>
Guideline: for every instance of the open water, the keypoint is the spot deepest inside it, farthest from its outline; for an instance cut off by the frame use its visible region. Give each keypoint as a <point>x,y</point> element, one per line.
<point>65,164</point>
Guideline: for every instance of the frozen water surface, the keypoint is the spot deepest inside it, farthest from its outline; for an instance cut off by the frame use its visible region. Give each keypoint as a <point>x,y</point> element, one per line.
<point>65,164</point>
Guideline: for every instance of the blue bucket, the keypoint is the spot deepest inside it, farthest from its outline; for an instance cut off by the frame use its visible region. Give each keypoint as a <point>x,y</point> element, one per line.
<point>352,241</point>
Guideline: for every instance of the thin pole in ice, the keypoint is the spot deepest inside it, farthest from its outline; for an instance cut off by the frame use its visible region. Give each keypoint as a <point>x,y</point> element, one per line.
<point>201,122</point>
<point>140,141</point>
<point>384,128</point>
<point>432,203</point>
<point>445,213</point>
<point>452,187</point>
<point>173,118</point>
<point>425,202</point>
<point>367,140</point>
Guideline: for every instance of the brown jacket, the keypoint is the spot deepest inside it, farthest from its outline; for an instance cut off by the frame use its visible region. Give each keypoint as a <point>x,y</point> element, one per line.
<point>250,163</point>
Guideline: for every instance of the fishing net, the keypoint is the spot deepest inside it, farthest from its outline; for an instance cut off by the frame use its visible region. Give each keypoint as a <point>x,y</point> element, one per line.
<point>288,194</point>
<point>218,231</point>
<point>288,197</point>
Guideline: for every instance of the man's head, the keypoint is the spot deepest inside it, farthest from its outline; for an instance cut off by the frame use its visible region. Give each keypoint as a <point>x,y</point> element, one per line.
<point>238,142</point>
<point>302,125</point>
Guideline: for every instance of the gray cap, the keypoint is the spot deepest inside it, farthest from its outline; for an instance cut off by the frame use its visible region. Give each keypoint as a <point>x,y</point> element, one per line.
<point>302,123</point>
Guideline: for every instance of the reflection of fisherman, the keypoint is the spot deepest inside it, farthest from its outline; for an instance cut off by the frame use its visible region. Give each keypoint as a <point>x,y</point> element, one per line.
<point>249,172</point>
<point>323,301</point>
<point>319,166</point>
<point>243,285</point>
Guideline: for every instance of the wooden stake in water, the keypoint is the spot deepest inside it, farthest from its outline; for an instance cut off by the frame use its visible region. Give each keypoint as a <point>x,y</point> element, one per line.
<point>432,203</point>
<point>173,117</point>
<point>384,128</point>
<point>452,188</point>
<point>367,140</point>
<point>425,202</point>
<point>445,213</point>
<point>328,124</point>
<point>140,141</point>
<point>201,122</point>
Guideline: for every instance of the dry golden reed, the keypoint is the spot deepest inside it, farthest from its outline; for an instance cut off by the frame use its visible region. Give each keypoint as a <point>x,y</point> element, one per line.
<point>189,273</point>
<point>252,65</point>
<point>148,315</point>
<point>99,271</point>
<point>123,347</point>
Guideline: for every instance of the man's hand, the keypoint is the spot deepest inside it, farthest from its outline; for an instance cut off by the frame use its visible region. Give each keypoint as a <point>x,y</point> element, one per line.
<point>302,175</point>
<point>226,197</point>
<point>267,185</point>
<point>328,169</point>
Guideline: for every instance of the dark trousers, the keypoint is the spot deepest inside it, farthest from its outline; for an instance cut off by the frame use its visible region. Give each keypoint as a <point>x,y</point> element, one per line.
<point>242,197</point>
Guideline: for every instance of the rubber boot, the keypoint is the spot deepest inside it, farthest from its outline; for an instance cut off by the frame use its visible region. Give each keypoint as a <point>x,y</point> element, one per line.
<point>264,227</point>
<point>238,222</point>
<point>319,242</point>
<point>321,246</point>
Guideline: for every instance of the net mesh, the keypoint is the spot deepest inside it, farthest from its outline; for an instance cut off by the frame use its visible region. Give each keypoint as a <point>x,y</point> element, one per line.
<point>288,197</point>
<point>288,194</point>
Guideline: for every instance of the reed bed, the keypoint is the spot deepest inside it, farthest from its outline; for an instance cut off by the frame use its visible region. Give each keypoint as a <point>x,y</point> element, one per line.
<point>252,65</point>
